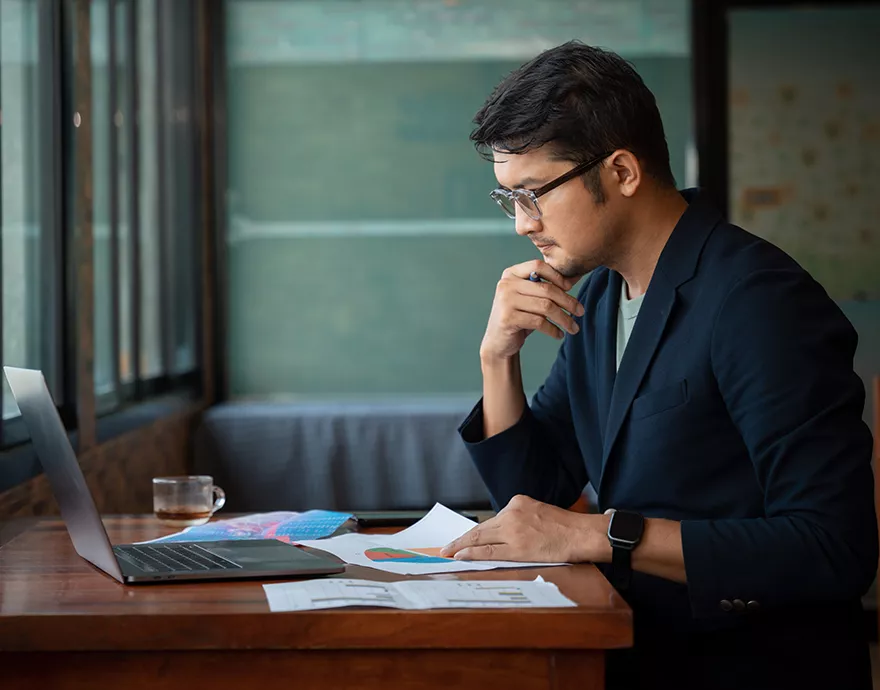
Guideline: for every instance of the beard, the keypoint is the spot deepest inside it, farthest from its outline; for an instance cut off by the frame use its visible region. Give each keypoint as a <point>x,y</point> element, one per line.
<point>602,255</point>
<point>577,268</point>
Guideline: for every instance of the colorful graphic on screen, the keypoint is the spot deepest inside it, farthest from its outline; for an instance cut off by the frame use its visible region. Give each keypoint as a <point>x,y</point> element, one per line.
<point>382,553</point>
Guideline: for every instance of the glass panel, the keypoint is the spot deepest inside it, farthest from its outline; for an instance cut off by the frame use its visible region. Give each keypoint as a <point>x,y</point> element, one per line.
<point>100,53</point>
<point>363,246</point>
<point>805,150</point>
<point>123,123</point>
<point>179,179</point>
<point>20,212</point>
<point>148,149</point>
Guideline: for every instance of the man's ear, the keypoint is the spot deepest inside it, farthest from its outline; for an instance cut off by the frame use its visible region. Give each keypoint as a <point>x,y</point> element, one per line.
<point>626,172</point>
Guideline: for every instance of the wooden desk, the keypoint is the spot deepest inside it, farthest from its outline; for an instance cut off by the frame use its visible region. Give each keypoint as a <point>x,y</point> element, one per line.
<point>65,625</point>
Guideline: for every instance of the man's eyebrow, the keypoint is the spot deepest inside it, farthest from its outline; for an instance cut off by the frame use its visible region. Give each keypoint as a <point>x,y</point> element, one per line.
<point>529,182</point>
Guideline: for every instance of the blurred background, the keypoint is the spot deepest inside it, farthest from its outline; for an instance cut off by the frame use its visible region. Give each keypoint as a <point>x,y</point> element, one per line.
<point>250,238</point>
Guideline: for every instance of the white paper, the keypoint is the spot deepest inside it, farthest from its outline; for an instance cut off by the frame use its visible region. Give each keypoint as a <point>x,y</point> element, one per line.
<point>312,595</point>
<point>439,527</point>
<point>417,595</point>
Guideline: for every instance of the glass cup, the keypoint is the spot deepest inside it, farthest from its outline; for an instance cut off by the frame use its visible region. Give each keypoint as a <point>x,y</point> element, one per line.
<point>186,501</point>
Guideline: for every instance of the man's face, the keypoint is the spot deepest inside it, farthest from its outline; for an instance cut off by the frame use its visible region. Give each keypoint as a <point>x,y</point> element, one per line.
<point>575,233</point>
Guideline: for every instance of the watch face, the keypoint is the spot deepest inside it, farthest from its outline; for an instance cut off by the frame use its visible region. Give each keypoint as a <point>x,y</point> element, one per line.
<point>626,526</point>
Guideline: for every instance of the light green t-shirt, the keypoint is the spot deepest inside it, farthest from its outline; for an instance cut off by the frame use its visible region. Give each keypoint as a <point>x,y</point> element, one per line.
<point>626,319</point>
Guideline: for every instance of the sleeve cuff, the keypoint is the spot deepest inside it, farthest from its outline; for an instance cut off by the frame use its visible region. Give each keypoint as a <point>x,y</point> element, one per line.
<point>473,434</point>
<point>701,568</point>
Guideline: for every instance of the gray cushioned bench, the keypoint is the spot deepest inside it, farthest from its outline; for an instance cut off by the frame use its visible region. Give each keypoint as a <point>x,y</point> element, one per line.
<point>339,455</point>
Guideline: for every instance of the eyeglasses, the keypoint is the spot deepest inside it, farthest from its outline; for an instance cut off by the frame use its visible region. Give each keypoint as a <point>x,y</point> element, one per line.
<point>527,199</point>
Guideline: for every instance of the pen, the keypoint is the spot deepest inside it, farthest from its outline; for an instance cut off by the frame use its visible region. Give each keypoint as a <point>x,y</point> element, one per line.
<point>534,277</point>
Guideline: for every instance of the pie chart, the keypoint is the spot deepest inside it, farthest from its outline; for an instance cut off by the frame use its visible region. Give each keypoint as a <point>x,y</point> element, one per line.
<point>382,553</point>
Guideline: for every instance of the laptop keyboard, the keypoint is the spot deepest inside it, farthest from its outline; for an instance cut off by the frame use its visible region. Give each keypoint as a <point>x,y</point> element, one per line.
<point>171,558</point>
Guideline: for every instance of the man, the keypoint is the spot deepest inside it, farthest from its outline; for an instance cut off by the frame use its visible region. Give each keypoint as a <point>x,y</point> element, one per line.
<point>704,387</point>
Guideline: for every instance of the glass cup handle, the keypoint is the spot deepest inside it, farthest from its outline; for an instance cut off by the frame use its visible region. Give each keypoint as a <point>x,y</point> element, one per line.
<point>219,499</point>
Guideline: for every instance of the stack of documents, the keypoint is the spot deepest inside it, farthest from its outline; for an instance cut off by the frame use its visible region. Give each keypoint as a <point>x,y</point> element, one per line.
<point>413,594</point>
<point>282,525</point>
<point>414,551</point>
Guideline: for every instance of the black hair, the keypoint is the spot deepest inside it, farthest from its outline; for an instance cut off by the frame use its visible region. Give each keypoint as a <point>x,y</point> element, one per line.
<point>583,101</point>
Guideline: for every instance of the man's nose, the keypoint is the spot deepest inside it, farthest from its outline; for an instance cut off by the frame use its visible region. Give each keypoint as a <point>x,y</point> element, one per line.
<point>525,224</point>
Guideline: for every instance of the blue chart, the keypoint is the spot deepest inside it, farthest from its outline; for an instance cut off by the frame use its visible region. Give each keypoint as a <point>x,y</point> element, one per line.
<point>284,526</point>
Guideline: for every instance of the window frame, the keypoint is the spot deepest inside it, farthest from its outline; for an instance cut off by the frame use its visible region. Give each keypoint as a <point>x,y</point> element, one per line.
<point>142,400</point>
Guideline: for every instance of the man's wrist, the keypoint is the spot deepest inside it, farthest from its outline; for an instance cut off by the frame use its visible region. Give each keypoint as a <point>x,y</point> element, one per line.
<point>494,363</point>
<point>603,548</point>
<point>591,541</point>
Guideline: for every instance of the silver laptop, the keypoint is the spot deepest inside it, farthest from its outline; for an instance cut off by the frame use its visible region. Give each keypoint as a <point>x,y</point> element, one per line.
<point>141,563</point>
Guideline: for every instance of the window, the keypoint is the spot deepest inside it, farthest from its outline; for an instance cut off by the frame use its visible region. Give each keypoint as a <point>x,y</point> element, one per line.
<point>123,122</point>
<point>144,285</point>
<point>112,109</point>
<point>103,188</point>
<point>26,228</point>
<point>181,207</point>
<point>143,203</point>
<point>363,248</point>
<point>148,177</point>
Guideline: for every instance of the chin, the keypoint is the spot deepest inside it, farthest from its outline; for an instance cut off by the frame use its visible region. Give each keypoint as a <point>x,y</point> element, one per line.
<point>567,268</point>
<point>573,268</point>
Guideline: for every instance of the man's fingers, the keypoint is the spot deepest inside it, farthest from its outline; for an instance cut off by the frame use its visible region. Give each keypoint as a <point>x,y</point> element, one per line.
<point>548,329</point>
<point>551,292</point>
<point>489,552</point>
<point>548,309</point>
<point>535,322</point>
<point>544,270</point>
<point>480,535</point>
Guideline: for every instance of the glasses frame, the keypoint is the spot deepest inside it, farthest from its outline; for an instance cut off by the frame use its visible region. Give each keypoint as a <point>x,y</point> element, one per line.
<point>498,195</point>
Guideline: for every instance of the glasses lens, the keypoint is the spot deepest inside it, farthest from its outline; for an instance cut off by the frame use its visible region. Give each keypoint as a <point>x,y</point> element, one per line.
<point>528,203</point>
<point>505,202</point>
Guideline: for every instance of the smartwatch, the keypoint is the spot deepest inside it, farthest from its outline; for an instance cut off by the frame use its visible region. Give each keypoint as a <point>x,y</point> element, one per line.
<point>624,533</point>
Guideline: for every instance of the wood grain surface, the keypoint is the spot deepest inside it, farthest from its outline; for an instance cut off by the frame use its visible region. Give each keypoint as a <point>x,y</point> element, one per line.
<point>51,599</point>
<point>65,625</point>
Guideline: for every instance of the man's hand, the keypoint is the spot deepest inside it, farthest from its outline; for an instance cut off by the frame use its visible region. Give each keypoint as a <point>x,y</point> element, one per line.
<point>530,531</point>
<point>522,306</point>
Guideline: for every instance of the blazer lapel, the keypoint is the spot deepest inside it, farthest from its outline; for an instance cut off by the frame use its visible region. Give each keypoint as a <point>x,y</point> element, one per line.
<point>606,346</point>
<point>676,266</point>
<point>643,343</point>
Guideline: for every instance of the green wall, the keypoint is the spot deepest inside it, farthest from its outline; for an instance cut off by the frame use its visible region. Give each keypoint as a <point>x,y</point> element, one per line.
<point>375,311</point>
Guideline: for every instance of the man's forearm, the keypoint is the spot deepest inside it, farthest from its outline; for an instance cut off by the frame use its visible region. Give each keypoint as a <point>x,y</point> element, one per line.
<point>503,396</point>
<point>659,553</point>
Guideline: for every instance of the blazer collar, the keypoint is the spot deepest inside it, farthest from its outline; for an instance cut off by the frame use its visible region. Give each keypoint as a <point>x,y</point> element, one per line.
<point>677,265</point>
<point>679,258</point>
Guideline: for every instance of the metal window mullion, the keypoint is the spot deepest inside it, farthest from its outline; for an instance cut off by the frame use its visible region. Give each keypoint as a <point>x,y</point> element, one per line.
<point>114,199</point>
<point>202,124</point>
<point>166,322</point>
<point>219,108</point>
<point>192,271</point>
<point>83,249</point>
<point>133,122</point>
<point>35,281</point>
<point>51,254</point>
<point>64,18</point>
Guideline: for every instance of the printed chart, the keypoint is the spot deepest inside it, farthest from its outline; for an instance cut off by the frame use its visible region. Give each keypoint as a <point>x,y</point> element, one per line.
<point>384,553</point>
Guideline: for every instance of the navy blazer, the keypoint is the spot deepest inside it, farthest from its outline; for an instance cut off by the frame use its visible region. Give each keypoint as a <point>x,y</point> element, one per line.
<point>736,411</point>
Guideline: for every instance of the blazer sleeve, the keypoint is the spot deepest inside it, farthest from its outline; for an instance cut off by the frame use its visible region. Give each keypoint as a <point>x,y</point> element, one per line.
<point>782,353</point>
<point>539,456</point>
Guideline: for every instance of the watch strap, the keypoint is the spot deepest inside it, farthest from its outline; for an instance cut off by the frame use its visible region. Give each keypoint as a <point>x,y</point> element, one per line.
<point>621,567</point>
